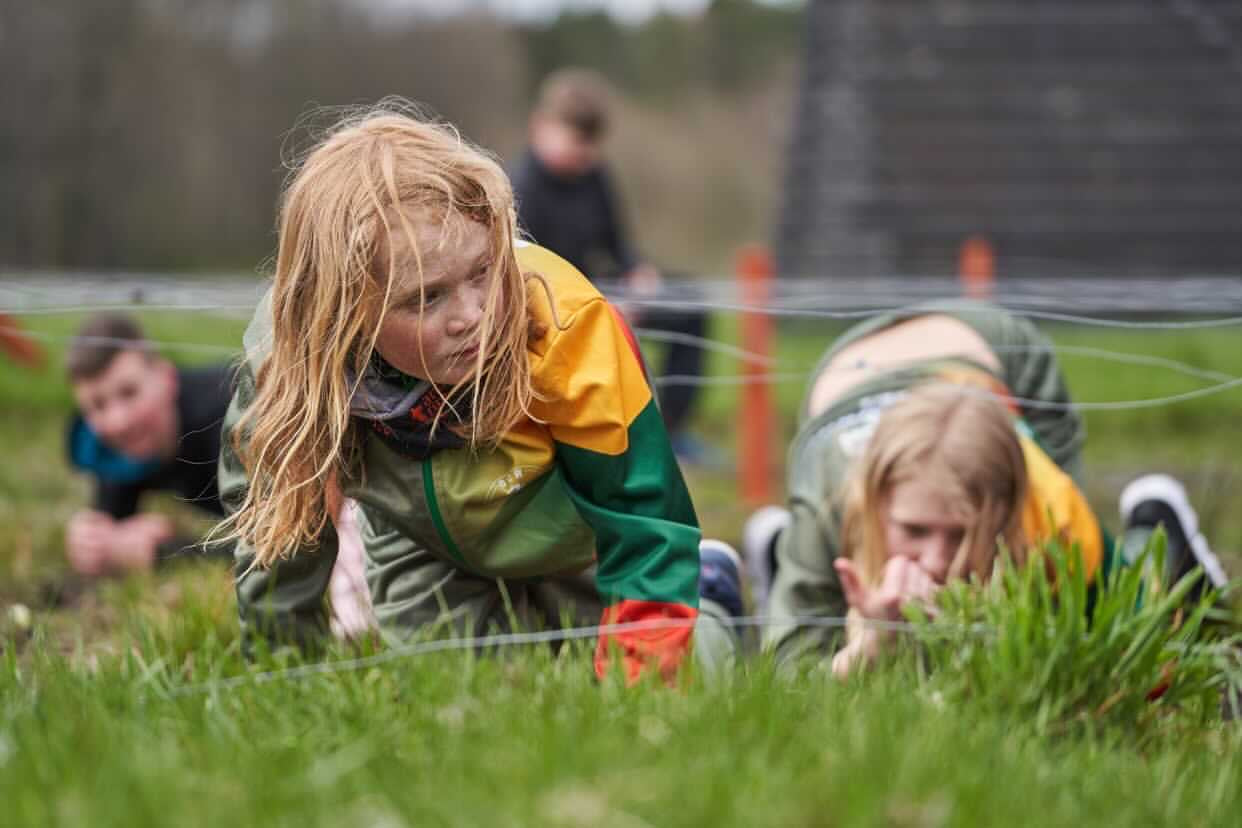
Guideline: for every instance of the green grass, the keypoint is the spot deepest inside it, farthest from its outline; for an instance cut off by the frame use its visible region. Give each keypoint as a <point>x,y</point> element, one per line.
<point>1043,645</point>
<point>135,735</point>
<point>98,724</point>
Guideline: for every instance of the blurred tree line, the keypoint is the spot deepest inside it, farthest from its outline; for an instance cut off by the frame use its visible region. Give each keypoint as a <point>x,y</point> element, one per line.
<point>152,134</point>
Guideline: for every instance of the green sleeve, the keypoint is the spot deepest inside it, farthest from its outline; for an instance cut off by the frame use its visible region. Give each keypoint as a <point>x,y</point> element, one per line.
<point>647,534</point>
<point>805,585</point>
<point>284,603</point>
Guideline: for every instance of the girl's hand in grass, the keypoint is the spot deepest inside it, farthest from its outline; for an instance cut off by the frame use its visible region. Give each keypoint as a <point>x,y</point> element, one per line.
<point>862,649</point>
<point>902,582</point>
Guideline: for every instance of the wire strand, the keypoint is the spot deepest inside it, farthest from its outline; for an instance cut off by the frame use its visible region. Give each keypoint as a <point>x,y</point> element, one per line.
<point>519,639</point>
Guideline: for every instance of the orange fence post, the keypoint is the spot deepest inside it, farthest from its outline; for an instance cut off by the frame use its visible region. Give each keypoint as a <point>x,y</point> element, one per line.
<point>756,419</point>
<point>17,345</point>
<point>976,267</point>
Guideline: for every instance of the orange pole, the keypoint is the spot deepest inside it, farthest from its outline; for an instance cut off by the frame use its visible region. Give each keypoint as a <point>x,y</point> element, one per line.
<point>976,267</point>
<point>18,346</point>
<point>756,419</point>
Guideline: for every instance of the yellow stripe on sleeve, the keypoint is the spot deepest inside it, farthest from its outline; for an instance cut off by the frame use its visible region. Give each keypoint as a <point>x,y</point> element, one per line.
<point>585,369</point>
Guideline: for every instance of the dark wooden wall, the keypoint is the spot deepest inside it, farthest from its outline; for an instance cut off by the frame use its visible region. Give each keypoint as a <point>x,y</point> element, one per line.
<point>1080,136</point>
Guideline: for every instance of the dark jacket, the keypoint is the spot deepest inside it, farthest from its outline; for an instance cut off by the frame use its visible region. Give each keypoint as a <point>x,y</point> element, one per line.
<point>576,218</point>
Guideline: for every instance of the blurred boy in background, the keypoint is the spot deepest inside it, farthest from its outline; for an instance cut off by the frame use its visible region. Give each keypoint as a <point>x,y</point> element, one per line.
<point>142,424</point>
<point>566,203</point>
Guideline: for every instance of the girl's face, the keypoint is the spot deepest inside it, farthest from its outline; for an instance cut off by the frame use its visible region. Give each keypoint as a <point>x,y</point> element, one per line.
<point>433,334</point>
<point>923,525</point>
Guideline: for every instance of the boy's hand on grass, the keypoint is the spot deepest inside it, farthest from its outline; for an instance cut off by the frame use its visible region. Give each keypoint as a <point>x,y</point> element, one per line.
<point>135,540</point>
<point>87,541</point>
<point>95,544</point>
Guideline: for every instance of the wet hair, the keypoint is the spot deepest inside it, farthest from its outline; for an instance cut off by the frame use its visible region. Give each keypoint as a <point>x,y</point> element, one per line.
<point>99,340</point>
<point>334,284</point>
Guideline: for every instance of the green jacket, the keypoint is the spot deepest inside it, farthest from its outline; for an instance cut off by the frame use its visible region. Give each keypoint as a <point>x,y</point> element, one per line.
<point>591,479</point>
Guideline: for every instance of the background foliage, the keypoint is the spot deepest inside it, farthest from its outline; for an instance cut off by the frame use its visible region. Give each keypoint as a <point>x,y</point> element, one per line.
<point>148,134</point>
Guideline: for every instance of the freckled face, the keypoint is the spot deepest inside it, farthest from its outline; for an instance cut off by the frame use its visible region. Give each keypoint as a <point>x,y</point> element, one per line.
<point>925,526</point>
<point>433,334</point>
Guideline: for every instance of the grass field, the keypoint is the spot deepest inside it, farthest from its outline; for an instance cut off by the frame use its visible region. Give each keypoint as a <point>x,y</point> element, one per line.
<point>104,719</point>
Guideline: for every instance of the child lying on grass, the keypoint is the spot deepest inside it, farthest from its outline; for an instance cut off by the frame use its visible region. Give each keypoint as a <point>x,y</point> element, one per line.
<point>928,437</point>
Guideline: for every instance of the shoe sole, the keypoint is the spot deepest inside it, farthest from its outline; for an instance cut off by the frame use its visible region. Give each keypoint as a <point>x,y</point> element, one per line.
<point>1170,491</point>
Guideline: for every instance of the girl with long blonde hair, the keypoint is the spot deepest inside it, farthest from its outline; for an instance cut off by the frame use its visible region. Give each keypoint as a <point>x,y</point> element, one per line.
<point>474,394</point>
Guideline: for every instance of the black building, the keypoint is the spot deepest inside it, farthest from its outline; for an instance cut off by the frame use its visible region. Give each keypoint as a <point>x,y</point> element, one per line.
<point>1080,136</point>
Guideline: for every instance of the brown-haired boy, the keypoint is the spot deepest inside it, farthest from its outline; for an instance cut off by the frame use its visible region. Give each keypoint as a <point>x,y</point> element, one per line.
<point>142,425</point>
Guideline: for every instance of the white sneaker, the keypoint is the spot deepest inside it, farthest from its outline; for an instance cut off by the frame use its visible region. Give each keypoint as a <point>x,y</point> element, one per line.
<point>759,549</point>
<point>1158,499</point>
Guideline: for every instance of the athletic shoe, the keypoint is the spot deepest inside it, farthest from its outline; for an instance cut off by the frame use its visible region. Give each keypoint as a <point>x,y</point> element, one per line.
<point>1160,500</point>
<point>759,536</point>
<point>720,576</point>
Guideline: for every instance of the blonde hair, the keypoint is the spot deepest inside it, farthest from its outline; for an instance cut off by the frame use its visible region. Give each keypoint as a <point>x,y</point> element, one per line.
<point>964,440</point>
<point>331,290</point>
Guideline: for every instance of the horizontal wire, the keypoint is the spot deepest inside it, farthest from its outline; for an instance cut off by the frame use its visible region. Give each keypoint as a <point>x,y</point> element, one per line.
<point>1123,357</point>
<point>736,307</point>
<point>1117,405</point>
<point>1224,382</point>
<point>705,343</point>
<point>1090,280</point>
<point>519,639</point>
<point>1133,359</point>
<point>675,304</point>
<point>499,640</point>
<point>124,306</point>
<point>853,298</point>
<point>167,344</point>
<point>662,336</point>
<point>690,380</point>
